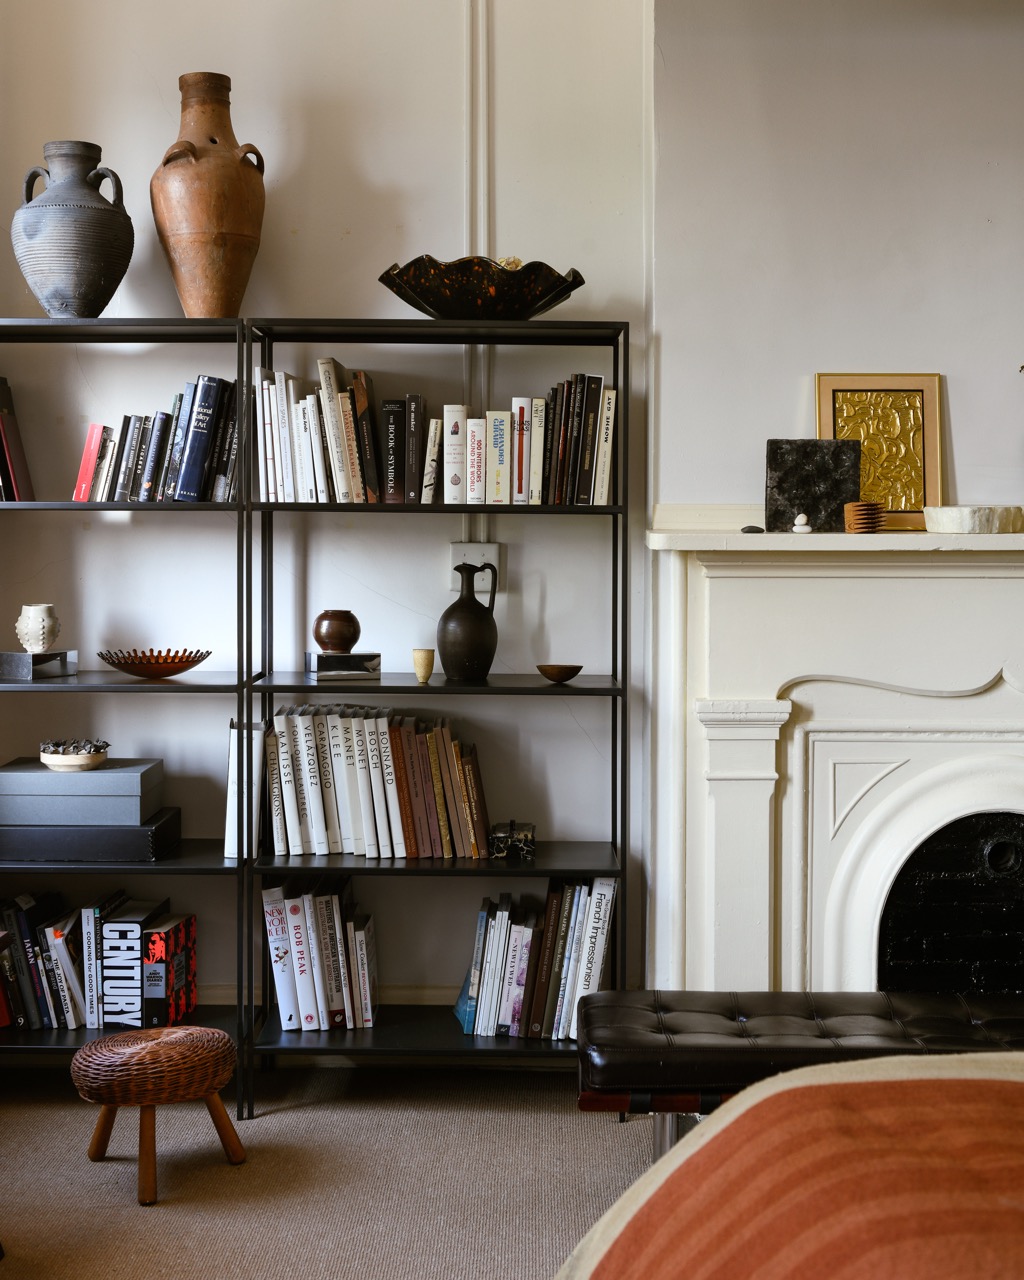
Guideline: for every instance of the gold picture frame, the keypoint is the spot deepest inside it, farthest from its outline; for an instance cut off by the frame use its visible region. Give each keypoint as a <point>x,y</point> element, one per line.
<point>896,418</point>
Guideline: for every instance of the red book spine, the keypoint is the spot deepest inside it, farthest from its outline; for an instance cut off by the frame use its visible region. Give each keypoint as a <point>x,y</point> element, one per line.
<point>88,465</point>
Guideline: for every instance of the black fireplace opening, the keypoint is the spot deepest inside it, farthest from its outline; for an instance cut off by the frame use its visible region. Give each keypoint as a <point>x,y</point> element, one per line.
<point>954,917</point>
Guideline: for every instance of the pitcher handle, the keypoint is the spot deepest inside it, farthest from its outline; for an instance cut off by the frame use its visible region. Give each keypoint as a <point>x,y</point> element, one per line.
<point>30,180</point>
<point>183,149</point>
<point>247,149</point>
<point>95,179</point>
<point>494,584</point>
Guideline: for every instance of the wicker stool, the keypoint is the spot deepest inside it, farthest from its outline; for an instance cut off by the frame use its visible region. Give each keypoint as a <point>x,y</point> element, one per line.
<point>145,1068</point>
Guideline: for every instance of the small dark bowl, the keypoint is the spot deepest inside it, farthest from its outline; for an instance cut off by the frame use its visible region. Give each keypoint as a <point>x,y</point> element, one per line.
<point>559,672</point>
<point>479,288</point>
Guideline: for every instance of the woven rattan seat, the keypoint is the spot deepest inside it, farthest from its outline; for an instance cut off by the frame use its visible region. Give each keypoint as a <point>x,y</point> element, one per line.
<point>146,1068</point>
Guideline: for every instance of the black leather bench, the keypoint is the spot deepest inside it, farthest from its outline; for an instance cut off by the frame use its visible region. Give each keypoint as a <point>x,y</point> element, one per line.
<point>679,1052</point>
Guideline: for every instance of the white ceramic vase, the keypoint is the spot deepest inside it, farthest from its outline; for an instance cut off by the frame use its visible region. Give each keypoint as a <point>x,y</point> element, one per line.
<point>37,627</point>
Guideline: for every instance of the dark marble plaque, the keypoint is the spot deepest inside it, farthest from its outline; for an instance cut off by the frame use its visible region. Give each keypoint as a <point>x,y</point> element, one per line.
<point>814,478</point>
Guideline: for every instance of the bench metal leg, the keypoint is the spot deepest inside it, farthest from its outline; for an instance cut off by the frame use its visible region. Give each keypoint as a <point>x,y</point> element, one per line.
<point>669,1127</point>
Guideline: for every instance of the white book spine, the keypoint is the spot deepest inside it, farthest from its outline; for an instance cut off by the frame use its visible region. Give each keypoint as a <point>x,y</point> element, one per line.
<point>522,421</point>
<point>317,446</point>
<point>333,432</point>
<point>498,453</point>
<point>372,849</point>
<point>595,943</point>
<point>348,426</point>
<point>328,786</point>
<point>572,960</point>
<point>432,462</point>
<point>294,731</point>
<point>335,735</point>
<point>453,452</point>
<point>315,944</point>
<point>89,970</point>
<point>537,495</point>
<point>265,392</point>
<point>289,791</point>
<point>311,783</point>
<point>385,845</point>
<point>232,843</point>
<point>276,923</point>
<point>348,739</point>
<point>508,980</point>
<point>516,1022</point>
<point>366,953</point>
<point>284,429</point>
<point>278,830</point>
<point>605,446</point>
<point>305,988</point>
<point>259,429</point>
<point>476,461</point>
<point>387,768</point>
<point>67,1003</point>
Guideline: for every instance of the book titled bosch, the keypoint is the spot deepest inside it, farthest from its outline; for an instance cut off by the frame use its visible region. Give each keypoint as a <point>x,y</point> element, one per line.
<point>169,992</point>
<point>122,945</point>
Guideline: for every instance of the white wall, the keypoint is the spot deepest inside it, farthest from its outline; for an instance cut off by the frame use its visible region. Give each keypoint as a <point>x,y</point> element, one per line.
<point>389,128</point>
<point>839,188</point>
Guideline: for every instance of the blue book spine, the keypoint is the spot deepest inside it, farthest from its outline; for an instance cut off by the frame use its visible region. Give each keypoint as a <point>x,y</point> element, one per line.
<point>198,438</point>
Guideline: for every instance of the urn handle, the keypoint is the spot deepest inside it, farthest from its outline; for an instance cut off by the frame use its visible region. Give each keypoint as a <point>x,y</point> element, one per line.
<point>95,179</point>
<point>37,171</point>
<point>249,150</point>
<point>494,583</point>
<point>180,150</point>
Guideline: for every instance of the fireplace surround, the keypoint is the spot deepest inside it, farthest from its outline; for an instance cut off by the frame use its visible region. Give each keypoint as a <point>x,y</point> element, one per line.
<point>820,707</point>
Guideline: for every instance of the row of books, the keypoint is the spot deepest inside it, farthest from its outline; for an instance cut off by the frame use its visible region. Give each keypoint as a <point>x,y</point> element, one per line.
<point>15,480</point>
<point>115,961</point>
<point>531,965</point>
<point>323,956</point>
<point>374,782</point>
<point>331,441</point>
<point>187,453</point>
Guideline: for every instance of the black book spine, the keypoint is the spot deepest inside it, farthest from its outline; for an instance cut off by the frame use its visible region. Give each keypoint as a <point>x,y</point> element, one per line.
<point>198,438</point>
<point>160,481</point>
<point>366,434</point>
<point>154,455</point>
<point>415,427</point>
<point>170,483</point>
<point>589,431</point>
<point>392,428</point>
<point>220,449</point>
<point>129,454</point>
<point>141,453</point>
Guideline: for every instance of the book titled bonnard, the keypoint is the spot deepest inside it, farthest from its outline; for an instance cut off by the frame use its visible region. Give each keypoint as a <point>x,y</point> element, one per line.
<point>122,944</point>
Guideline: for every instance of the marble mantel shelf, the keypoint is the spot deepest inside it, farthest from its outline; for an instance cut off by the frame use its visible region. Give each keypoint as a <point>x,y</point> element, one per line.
<point>718,529</point>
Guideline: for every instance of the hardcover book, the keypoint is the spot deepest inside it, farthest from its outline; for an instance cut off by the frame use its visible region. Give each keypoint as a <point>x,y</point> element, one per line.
<point>278,940</point>
<point>199,438</point>
<point>453,453</point>
<point>13,451</point>
<point>366,433</point>
<point>393,433</point>
<point>415,443</point>
<point>121,958</point>
<point>86,468</point>
<point>169,990</point>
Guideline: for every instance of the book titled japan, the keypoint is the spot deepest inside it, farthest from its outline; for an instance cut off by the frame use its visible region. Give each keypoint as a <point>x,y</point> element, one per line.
<point>169,990</point>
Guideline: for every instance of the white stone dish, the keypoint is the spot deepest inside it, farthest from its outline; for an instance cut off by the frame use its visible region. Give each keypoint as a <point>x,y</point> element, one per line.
<point>968,519</point>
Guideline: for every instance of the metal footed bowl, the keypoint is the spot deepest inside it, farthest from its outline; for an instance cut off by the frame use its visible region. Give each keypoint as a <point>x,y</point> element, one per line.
<point>154,666</point>
<point>479,288</point>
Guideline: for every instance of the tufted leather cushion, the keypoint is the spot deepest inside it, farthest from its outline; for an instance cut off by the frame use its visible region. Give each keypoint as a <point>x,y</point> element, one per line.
<point>646,1042</point>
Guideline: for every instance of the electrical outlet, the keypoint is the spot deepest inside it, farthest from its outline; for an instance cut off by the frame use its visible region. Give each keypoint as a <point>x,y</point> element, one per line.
<point>477,553</point>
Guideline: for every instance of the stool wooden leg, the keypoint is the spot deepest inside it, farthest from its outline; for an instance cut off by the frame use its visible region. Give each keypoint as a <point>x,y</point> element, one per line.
<point>229,1139</point>
<point>101,1134</point>
<point>147,1154</point>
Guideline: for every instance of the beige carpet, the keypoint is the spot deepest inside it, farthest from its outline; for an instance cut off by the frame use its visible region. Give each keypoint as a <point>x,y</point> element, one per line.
<point>437,1174</point>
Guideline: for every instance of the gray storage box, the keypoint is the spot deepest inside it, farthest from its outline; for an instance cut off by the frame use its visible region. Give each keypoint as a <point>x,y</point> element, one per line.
<point>119,793</point>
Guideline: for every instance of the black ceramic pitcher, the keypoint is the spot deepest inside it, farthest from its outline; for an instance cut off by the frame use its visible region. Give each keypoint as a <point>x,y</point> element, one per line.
<point>467,634</point>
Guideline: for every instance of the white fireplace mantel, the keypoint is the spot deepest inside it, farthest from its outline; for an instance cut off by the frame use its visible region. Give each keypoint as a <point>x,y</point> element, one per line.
<point>805,689</point>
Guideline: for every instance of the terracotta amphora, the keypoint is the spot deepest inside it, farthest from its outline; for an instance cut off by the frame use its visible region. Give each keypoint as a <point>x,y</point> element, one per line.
<point>208,200</point>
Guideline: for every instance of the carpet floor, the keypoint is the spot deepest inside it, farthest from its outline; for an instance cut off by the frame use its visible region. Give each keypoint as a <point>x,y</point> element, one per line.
<point>440,1174</point>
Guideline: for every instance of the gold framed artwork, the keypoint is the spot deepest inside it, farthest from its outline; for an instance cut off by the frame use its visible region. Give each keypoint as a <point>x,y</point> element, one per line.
<point>895,416</point>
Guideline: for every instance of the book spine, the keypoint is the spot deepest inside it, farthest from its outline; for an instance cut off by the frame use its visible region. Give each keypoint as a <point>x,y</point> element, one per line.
<point>391,797</point>
<point>571,961</point>
<point>295,744</point>
<point>385,844</point>
<point>589,436</point>
<point>351,439</point>
<point>507,990</point>
<point>154,455</point>
<point>537,427</point>
<point>522,421</point>
<point>476,461</point>
<point>400,766</point>
<point>366,433</point>
<point>365,785</point>
<point>365,951</point>
<point>298,942</point>
<point>289,793</point>
<point>278,940</point>
<point>603,463</point>
<point>198,438</point>
<point>333,430</point>
<point>170,479</point>
<point>122,973</point>
<point>311,784</point>
<point>437,782</point>
<point>432,478</point>
<point>328,784</point>
<point>342,956</point>
<point>275,796</point>
<point>83,485</point>
<point>314,943</point>
<point>92,1008</point>
<point>595,944</point>
<point>329,961</point>
<point>350,756</point>
<point>414,446</point>
<point>454,453</point>
<point>569,894</point>
<point>393,431</point>
<point>497,465</point>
